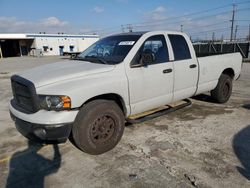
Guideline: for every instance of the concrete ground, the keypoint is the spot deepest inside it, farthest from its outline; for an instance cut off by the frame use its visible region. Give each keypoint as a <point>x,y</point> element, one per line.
<point>206,145</point>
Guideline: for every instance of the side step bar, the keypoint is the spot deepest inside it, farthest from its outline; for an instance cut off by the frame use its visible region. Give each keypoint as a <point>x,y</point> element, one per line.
<point>151,114</point>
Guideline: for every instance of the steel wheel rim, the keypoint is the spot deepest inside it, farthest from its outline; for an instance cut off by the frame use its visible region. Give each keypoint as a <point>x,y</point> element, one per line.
<point>102,129</point>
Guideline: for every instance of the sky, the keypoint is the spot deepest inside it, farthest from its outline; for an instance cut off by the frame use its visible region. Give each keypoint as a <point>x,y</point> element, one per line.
<point>199,18</point>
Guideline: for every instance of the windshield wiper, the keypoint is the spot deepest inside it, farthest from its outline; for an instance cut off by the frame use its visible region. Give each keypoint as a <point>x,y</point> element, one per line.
<point>102,60</point>
<point>78,58</point>
<point>92,59</point>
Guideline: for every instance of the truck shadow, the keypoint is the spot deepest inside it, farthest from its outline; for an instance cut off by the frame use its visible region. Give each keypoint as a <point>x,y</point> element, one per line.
<point>204,97</point>
<point>241,146</point>
<point>246,106</point>
<point>27,168</point>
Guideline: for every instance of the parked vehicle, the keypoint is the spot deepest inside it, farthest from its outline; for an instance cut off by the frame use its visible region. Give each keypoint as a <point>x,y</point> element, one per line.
<point>91,97</point>
<point>71,54</point>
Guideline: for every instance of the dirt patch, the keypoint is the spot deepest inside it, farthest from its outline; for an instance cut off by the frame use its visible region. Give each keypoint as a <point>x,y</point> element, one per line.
<point>10,146</point>
<point>199,111</point>
<point>11,132</point>
<point>3,73</point>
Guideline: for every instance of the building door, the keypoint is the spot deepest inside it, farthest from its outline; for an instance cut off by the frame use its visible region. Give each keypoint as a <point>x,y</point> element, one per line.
<point>10,48</point>
<point>61,50</point>
<point>71,48</point>
<point>24,50</point>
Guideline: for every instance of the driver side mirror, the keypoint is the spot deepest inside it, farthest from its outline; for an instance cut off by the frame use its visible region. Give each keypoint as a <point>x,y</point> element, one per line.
<point>147,57</point>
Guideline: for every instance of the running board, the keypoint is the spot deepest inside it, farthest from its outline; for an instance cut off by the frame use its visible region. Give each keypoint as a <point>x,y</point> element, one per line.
<point>154,113</point>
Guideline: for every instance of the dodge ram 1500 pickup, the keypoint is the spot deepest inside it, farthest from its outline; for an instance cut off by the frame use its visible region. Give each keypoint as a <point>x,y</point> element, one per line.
<point>90,98</point>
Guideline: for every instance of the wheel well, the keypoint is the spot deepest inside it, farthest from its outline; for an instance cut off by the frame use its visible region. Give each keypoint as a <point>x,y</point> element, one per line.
<point>229,72</point>
<point>111,96</point>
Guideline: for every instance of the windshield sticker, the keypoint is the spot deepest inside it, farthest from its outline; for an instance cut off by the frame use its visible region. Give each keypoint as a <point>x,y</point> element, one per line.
<point>130,43</point>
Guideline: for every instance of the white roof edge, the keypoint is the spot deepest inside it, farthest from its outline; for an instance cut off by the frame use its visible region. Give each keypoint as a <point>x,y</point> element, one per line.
<point>12,36</point>
<point>56,34</point>
<point>33,35</point>
<point>166,31</point>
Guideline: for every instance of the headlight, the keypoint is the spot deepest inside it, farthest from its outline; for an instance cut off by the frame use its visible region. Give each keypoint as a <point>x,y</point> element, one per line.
<point>52,102</point>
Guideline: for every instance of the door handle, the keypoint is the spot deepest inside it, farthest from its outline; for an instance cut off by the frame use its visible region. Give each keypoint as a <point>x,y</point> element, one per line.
<point>167,71</point>
<point>192,66</point>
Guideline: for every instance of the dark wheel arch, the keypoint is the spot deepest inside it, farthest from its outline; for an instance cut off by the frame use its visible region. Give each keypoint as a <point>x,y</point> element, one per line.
<point>229,72</point>
<point>112,97</point>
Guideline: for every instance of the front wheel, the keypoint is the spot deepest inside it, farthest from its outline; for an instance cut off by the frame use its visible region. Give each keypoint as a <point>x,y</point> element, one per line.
<point>223,90</point>
<point>98,127</point>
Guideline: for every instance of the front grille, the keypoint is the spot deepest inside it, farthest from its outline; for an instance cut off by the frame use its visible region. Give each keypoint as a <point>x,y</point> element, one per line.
<point>24,93</point>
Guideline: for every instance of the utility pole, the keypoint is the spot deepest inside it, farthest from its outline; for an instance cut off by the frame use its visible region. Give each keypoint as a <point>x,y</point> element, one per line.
<point>249,33</point>
<point>213,37</point>
<point>222,38</point>
<point>235,32</point>
<point>130,28</point>
<point>233,20</point>
<point>122,28</point>
<point>181,28</point>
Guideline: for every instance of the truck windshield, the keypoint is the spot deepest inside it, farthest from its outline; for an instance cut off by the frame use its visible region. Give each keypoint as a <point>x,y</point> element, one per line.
<point>109,50</point>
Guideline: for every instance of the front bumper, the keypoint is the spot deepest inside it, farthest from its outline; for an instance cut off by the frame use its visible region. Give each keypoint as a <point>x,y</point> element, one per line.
<point>45,126</point>
<point>43,133</point>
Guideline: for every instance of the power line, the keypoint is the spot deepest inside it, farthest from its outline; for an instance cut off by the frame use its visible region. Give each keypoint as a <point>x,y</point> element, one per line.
<point>209,25</point>
<point>212,30</point>
<point>243,2</point>
<point>203,17</point>
<point>191,14</point>
<point>181,21</point>
<point>170,21</point>
<point>194,13</point>
<point>242,20</point>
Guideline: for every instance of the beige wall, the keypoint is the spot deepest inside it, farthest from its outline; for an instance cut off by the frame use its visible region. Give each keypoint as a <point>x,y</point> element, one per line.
<point>53,44</point>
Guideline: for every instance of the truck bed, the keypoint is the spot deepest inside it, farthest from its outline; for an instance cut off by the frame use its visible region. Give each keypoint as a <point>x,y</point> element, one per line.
<point>211,67</point>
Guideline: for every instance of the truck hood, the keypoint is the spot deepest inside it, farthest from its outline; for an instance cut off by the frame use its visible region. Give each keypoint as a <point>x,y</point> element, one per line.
<point>64,70</point>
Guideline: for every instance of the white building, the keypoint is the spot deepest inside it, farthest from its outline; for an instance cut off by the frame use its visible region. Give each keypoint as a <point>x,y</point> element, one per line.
<point>12,45</point>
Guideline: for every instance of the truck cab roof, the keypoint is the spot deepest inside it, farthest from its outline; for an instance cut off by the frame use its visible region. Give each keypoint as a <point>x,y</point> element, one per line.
<point>140,33</point>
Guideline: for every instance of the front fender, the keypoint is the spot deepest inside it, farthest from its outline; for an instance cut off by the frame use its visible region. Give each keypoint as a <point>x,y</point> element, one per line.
<point>82,89</point>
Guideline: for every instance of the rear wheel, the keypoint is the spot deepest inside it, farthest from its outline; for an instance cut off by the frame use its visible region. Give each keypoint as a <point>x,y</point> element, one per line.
<point>98,127</point>
<point>223,90</point>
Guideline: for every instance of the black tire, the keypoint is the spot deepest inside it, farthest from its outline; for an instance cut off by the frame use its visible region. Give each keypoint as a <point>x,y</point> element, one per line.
<point>98,127</point>
<point>223,90</point>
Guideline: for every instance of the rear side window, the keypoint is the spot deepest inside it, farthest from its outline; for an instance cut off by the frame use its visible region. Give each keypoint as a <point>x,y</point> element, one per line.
<point>180,47</point>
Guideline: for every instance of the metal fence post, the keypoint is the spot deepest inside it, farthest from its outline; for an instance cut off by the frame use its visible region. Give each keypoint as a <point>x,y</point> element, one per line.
<point>1,54</point>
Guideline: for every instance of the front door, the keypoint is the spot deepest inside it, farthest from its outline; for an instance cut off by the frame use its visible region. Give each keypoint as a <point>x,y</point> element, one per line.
<point>151,86</point>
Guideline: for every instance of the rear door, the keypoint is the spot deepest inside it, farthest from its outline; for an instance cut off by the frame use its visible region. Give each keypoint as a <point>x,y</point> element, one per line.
<point>151,86</point>
<point>185,68</point>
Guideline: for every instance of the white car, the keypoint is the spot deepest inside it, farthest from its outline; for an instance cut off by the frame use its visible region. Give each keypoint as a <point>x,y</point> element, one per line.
<point>91,97</point>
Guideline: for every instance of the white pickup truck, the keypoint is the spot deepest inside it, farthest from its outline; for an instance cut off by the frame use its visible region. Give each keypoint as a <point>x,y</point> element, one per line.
<point>91,97</point>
